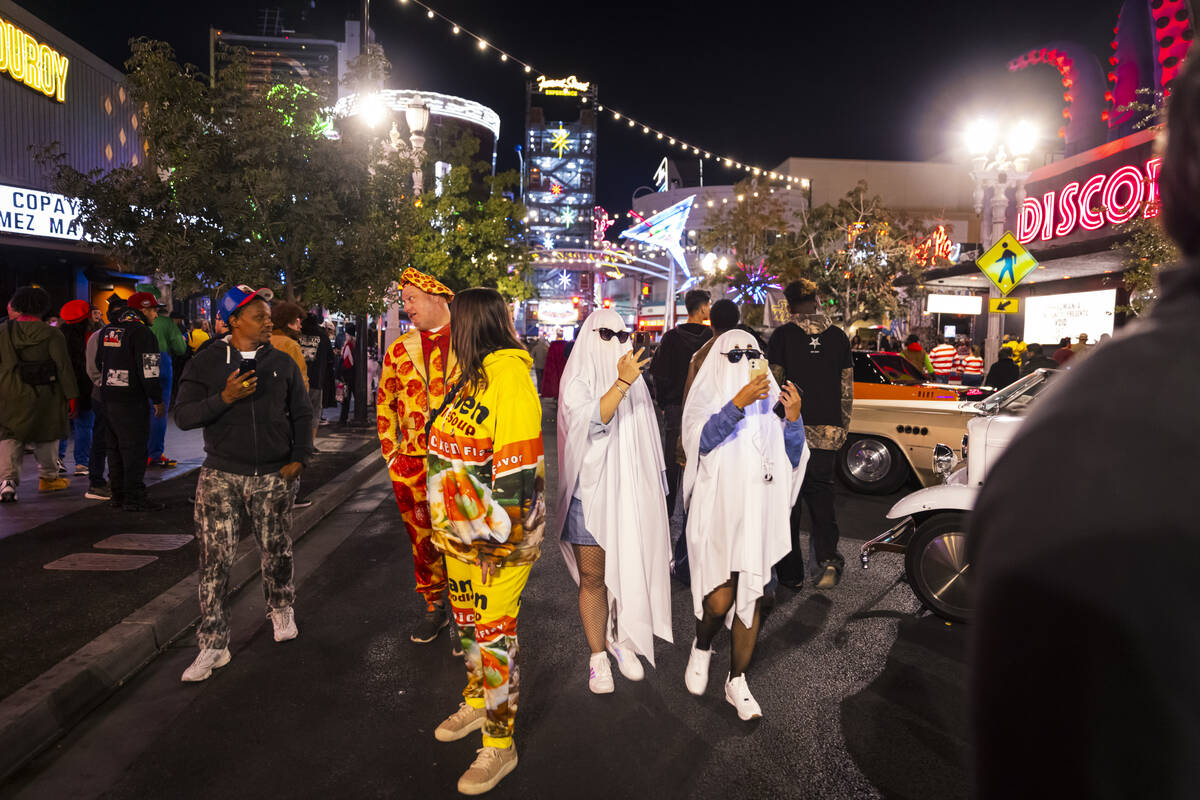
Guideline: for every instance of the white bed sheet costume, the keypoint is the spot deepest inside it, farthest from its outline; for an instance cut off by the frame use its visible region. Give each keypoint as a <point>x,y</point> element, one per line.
<point>619,468</point>
<point>738,521</point>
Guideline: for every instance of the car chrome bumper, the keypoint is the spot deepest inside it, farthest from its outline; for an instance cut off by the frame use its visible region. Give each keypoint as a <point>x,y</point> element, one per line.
<point>893,540</point>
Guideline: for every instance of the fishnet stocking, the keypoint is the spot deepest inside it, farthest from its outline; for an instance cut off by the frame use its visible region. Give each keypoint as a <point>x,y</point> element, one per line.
<point>716,605</point>
<point>593,595</point>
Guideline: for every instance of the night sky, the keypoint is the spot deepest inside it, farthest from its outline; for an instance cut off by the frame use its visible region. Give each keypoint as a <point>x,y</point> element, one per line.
<point>755,81</point>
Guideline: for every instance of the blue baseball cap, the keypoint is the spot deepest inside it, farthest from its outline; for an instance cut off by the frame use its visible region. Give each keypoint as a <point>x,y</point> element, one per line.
<point>239,296</point>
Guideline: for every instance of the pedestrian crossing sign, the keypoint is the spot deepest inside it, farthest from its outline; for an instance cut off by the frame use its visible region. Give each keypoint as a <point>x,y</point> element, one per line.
<point>1006,263</point>
<point>1004,305</point>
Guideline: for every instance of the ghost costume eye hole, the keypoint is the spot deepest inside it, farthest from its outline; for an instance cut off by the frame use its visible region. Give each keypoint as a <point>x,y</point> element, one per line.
<point>608,333</point>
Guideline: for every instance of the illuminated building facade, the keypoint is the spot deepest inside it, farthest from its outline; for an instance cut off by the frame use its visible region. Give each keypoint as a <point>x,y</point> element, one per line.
<point>54,90</point>
<point>560,162</point>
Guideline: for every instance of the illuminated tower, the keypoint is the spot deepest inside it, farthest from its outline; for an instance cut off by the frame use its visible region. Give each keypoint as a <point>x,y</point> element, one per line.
<point>560,179</point>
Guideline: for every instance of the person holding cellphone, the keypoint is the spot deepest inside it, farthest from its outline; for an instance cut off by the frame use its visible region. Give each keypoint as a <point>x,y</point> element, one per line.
<point>744,471</point>
<point>486,486</point>
<point>253,405</point>
<point>611,511</point>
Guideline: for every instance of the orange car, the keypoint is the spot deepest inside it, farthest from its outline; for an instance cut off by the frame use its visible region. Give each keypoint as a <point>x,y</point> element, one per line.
<point>891,376</point>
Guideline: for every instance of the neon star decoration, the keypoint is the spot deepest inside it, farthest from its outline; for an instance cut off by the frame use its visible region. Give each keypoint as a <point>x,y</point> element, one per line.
<point>556,189</point>
<point>560,142</point>
<point>568,217</point>
<point>665,230</point>
<point>753,283</point>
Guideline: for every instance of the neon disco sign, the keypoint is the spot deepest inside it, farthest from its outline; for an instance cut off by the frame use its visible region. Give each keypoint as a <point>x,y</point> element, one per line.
<point>1103,199</point>
<point>28,61</point>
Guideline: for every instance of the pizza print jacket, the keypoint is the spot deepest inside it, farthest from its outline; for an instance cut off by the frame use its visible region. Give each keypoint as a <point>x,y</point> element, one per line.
<point>406,397</point>
<point>486,473</point>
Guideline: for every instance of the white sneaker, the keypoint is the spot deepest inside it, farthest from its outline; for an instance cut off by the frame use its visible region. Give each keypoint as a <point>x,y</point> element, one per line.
<point>284,621</point>
<point>208,660</point>
<point>8,492</point>
<point>600,679</point>
<point>696,675</point>
<point>627,661</point>
<point>737,694</point>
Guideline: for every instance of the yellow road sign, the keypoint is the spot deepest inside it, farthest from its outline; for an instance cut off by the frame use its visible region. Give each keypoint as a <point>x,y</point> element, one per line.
<point>1006,263</point>
<point>1003,305</point>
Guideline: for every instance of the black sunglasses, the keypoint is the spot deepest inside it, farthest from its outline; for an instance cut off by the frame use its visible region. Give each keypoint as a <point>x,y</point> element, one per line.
<point>736,354</point>
<point>608,333</point>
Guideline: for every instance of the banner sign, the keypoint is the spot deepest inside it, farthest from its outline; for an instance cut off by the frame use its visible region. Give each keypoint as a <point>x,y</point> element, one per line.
<point>34,213</point>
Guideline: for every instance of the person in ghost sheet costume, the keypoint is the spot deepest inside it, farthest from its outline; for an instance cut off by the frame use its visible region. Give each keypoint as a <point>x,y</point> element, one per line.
<point>744,470</point>
<point>611,511</point>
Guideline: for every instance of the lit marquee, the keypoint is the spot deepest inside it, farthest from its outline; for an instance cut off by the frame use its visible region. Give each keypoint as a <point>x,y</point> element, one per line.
<point>1103,199</point>
<point>28,61</point>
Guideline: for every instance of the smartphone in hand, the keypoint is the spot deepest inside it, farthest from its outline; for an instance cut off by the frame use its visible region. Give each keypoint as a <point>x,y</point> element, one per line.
<point>247,365</point>
<point>758,367</point>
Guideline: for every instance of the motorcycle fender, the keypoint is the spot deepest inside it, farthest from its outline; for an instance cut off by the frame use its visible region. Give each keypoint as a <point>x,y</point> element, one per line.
<point>946,497</point>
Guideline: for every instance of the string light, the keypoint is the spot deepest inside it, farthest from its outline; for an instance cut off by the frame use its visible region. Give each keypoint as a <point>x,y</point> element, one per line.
<point>631,122</point>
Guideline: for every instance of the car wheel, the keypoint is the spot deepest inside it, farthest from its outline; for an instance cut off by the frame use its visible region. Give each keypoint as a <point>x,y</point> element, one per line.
<point>872,466</point>
<point>935,562</point>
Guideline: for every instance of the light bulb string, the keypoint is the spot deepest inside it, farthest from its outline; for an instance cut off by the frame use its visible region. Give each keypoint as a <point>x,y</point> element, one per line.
<point>613,114</point>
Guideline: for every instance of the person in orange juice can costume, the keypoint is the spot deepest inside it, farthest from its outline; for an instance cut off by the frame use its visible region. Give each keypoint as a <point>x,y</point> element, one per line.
<point>416,371</point>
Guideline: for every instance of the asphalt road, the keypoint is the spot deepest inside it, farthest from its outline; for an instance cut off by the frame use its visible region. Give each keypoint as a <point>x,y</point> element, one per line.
<point>861,697</point>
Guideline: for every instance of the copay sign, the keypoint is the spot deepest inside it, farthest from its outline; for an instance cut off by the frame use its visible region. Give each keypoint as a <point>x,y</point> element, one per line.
<point>1087,195</point>
<point>34,213</point>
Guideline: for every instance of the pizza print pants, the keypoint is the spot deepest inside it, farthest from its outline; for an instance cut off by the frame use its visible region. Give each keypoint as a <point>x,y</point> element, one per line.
<point>428,565</point>
<point>223,501</point>
<point>487,621</point>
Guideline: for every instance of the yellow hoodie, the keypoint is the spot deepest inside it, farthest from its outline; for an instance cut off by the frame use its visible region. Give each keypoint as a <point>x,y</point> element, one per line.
<point>487,475</point>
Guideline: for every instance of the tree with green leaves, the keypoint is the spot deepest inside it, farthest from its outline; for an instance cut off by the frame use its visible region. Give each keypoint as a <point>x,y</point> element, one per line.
<point>242,185</point>
<point>858,251</point>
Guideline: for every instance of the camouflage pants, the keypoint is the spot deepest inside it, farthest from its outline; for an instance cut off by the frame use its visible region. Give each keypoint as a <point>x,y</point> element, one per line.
<point>487,622</point>
<point>223,501</point>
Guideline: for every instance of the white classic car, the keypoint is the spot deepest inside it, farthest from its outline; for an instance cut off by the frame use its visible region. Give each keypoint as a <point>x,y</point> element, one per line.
<point>931,532</point>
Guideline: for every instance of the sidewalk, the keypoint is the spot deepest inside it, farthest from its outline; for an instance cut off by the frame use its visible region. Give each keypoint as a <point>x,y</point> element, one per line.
<point>70,568</point>
<point>33,508</point>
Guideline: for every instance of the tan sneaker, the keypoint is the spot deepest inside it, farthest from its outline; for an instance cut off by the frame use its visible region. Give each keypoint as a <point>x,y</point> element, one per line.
<point>490,767</point>
<point>460,723</point>
<point>53,485</point>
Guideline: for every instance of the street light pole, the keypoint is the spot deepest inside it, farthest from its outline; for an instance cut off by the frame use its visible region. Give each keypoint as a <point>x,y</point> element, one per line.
<point>360,343</point>
<point>995,167</point>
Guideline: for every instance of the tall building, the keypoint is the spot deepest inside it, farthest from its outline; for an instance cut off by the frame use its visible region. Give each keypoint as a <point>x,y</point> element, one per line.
<point>560,165</point>
<point>285,58</point>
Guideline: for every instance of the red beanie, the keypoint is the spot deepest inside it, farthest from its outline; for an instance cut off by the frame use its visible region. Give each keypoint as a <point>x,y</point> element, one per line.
<point>75,311</point>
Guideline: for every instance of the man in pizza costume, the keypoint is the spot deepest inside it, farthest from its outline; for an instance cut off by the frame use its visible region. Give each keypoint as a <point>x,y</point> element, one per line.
<point>418,370</point>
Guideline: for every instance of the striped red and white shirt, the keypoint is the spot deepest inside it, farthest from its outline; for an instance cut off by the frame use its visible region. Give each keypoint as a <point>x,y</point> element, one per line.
<point>970,365</point>
<point>943,357</point>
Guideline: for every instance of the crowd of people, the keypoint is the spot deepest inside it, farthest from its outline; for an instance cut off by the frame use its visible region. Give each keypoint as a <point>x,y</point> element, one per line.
<point>72,379</point>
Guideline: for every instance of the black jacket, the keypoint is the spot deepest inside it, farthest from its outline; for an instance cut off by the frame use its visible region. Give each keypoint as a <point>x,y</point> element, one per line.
<point>318,354</point>
<point>76,334</point>
<point>1086,632</point>
<point>129,360</point>
<point>1002,373</point>
<point>1038,362</point>
<point>256,435</point>
<point>670,365</point>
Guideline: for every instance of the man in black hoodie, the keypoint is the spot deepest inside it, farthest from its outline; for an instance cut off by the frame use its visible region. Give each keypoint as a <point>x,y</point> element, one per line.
<point>669,369</point>
<point>1086,635</point>
<point>129,363</point>
<point>251,401</point>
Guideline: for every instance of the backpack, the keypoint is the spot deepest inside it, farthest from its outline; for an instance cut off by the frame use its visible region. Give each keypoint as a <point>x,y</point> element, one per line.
<point>43,372</point>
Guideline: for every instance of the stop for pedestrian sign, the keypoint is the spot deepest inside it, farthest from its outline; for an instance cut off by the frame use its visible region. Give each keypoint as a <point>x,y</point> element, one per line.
<point>1006,263</point>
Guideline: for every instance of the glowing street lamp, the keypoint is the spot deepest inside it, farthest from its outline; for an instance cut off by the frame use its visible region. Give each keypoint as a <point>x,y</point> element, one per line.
<point>372,109</point>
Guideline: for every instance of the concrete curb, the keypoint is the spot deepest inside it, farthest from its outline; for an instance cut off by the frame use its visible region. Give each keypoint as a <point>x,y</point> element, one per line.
<point>41,711</point>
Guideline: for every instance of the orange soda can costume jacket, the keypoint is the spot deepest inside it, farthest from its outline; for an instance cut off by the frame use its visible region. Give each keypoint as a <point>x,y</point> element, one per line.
<point>417,369</point>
